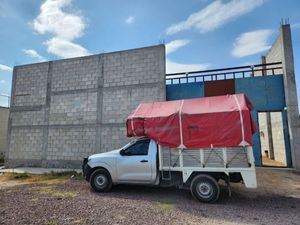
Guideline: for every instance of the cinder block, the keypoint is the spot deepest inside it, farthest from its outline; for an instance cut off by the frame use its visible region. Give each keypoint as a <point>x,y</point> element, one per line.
<point>30,84</point>
<point>112,137</point>
<point>71,144</point>
<point>24,142</point>
<point>119,103</point>
<point>75,74</point>
<point>78,108</point>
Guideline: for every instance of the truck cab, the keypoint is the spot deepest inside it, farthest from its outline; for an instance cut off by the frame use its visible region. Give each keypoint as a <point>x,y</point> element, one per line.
<point>136,162</point>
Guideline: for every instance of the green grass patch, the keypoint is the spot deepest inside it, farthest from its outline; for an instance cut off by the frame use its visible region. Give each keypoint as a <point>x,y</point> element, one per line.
<point>57,177</point>
<point>164,205</point>
<point>56,193</point>
<point>61,175</point>
<point>45,178</point>
<point>21,176</point>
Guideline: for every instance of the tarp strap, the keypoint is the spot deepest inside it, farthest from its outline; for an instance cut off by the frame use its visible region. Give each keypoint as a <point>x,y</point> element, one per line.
<point>243,143</point>
<point>238,153</point>
<point>181,146</point>
<point>174,164</point>
<point>193,157</point>
<point>210,153</point>
<point>132,124</point>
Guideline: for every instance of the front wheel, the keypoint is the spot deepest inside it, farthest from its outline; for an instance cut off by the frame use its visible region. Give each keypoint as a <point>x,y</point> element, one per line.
<point>205,188</point>
<point>101,180</point>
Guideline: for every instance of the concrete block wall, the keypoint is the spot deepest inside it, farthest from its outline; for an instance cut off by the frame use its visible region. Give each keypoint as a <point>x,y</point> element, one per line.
<point>64,110</point>
<point>112,135</point>
<point>75,108</point>
<point>28,118</point>
<point>143,81</point>
<point>75,74</point>
<point>31,85</point>
<point>278,137</point>
<point>29,140</point>
<point>69,144</point>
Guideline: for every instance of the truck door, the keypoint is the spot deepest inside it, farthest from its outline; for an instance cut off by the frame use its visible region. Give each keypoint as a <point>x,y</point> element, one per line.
<point>135,163</point>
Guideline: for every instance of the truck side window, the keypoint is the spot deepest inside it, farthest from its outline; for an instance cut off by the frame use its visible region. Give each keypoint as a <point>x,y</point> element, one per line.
<point>139,148</point>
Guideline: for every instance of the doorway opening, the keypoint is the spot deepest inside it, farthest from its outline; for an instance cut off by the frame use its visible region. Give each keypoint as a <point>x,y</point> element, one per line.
<point>271,132</point>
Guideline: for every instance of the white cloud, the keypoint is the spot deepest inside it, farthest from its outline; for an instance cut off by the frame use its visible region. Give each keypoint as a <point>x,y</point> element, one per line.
<point>2,81</point>
<point>4,99</point>
<point>296,25</point>
<point>175,45</point>
<point>64,48</point>
<point>54,20</point>
<point>173,67</point>
<point>130,20</point>
<point>5,94</point>
<point>5,68</point>
<point>250,43</point>
<point>33,54</point>
<point>215,15</point>
<point>65,26</point>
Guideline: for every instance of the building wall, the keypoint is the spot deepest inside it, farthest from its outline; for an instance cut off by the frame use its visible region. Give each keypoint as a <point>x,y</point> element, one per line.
<point>65,110</point>
<point>276,127</point>
<point>4,112</point>
<point>278,137</point>
<point>263,133</point>
<point>282,51</point>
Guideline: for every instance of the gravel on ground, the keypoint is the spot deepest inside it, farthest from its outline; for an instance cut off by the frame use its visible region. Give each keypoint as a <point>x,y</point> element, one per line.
<point>69,200</point>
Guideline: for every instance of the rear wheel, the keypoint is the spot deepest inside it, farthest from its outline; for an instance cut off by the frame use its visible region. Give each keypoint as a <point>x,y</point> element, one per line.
<point>100,180</point>
<point>205,188</point>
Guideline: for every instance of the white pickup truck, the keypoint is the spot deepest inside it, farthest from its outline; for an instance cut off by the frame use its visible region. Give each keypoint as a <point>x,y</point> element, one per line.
<point>143,161</point>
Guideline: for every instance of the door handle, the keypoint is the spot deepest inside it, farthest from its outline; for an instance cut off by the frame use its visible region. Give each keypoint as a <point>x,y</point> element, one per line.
<point>143,161</point>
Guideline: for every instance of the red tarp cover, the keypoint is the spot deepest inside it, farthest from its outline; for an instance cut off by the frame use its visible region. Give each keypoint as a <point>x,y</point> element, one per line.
<point>222,121</point>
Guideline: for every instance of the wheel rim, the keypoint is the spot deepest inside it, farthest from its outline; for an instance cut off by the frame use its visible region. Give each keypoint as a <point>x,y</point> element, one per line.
<point>204,190</point>
<point>100,181</point>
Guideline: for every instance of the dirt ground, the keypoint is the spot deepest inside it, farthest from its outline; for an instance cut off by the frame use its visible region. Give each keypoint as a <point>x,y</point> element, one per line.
<point>64,200</point>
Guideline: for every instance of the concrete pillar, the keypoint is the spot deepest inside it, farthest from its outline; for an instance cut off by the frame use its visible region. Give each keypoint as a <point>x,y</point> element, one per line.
<point>290,93</point>
<point>268,117</point>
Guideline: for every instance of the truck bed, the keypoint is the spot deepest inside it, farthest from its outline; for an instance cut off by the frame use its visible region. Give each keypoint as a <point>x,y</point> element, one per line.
<point>235,157</point>
<point>217,160</point>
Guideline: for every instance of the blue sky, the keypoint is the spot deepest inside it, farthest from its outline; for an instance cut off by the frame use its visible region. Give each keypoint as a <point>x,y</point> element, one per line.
<point>199,34</point>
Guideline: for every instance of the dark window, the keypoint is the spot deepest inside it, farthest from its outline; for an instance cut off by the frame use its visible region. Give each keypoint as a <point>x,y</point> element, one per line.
<point>139,148</point>
<point>219,87</point>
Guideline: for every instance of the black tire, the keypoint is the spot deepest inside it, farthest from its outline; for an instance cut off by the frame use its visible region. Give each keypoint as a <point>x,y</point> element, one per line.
<point>100,180</point>
<point>205,188</point>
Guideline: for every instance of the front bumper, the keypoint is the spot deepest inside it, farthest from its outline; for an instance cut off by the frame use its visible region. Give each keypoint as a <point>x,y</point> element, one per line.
<point>86,169</point>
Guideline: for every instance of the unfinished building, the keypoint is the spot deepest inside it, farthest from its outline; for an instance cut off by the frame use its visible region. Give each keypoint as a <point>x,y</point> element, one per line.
<point>64,110</point>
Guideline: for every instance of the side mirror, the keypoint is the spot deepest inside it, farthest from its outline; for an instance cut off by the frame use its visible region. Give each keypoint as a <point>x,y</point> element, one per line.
<point>122,152</point>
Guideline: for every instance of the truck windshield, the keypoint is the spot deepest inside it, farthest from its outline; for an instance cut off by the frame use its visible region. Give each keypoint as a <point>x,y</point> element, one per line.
<point>130,143</point>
